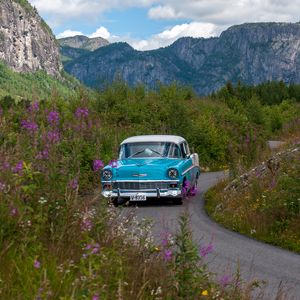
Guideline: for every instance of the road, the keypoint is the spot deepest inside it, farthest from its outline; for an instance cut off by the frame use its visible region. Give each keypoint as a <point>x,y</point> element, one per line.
<point>255,259</point>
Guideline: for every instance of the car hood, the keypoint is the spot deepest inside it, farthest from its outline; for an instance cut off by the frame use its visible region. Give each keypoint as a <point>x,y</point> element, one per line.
<point>145,169</point>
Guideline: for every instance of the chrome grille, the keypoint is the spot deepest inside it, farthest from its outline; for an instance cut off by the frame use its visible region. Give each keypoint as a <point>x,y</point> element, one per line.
<point>141,185</point>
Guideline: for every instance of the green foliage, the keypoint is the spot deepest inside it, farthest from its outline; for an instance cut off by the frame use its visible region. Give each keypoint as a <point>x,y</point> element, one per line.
<point>64,242</point>
<point>28,85</point>
<point>189,272</point>
<point>267,207</point>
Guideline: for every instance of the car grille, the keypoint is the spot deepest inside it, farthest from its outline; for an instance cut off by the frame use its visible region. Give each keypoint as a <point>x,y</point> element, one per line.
<point>141,185</point>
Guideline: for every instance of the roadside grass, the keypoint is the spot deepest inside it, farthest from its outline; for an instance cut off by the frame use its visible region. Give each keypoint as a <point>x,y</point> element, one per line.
<point>264,204</point>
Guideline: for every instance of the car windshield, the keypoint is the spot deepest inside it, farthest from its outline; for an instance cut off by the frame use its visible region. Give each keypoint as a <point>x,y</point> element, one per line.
<point>149,150</point>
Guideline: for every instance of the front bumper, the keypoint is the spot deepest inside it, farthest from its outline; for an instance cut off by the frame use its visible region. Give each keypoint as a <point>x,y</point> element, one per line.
<point>149,194</point>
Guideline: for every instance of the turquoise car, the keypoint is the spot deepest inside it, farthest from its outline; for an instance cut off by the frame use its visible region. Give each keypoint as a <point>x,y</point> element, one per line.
<point>151,166</point>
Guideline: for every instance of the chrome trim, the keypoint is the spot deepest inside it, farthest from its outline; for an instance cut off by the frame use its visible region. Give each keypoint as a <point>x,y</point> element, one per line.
<point>139,175</point>
<point>158,193</point>
<point>169,193</point>
<point>190,168</point>
<point>167,180</point>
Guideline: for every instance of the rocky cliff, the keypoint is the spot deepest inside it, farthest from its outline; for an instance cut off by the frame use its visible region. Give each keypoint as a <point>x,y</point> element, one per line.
<point>251,53</point>
<point>73,47</point>
<point>26,42</point>
<point>83,42</point>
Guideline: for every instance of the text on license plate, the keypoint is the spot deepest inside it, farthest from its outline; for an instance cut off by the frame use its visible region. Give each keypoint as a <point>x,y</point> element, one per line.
<point>138,197</point>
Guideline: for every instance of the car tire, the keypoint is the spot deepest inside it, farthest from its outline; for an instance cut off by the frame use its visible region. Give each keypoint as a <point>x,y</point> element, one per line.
<point>177,201</point>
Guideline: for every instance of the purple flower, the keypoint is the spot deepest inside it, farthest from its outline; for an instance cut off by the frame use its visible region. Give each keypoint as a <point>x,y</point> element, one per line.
<point>73,183</point>
<point>53,118</point>
<point>186,187</point>
<point>34,107</point>
<point>31,127</point>
<point>166,239</point>
<point>81,113</point>
<point>86,224</point>
<point>113,163</point>
<point>18,168</point>
<point>44,154</point>
<point>13,212</point>
<point>36,264</point>
<point>205,250</point>
<point>97,165</point>
<point>96,297</point>
<point>53,136</point>
<point>225,280</point>
<point>193,191</point>
<point>96,248</point>
<point>2,186</point>
<point>6,165</point>
<point>168,255</point>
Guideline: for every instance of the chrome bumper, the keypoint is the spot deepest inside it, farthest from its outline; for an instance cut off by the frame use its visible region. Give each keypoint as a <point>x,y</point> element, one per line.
<point>149,194</point>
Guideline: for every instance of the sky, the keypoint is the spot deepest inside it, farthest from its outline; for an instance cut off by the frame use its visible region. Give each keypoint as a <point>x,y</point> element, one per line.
<point>151,24</point>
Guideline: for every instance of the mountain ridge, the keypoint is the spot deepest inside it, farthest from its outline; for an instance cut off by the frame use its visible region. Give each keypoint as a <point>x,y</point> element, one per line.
<point>251,53</point>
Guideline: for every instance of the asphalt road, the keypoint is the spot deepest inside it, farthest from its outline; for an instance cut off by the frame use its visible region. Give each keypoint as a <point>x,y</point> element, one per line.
<point>255,260</point>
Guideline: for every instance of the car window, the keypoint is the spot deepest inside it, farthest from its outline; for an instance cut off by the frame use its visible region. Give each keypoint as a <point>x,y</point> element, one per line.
<point>187,149</point>
<point>174,151</point>
<point>183,150</point>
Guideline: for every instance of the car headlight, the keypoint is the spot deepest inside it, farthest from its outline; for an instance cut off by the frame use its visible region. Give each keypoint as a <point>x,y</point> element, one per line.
<point>173,173</point>
<point>107,174</point>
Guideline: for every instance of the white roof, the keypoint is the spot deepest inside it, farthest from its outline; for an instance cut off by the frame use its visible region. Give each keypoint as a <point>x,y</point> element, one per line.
<point>154,138</point>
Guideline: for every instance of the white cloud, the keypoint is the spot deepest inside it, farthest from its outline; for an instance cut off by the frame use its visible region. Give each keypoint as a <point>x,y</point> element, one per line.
<point>101,32</point>
<point>88,9</point>
<point>68,33</point>
<point>227,12</point>
<point>163,12</point>
<point>167,37</point>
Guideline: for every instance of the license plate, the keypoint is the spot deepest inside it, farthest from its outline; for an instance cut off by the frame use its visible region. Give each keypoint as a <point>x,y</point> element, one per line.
<point>138,197</point>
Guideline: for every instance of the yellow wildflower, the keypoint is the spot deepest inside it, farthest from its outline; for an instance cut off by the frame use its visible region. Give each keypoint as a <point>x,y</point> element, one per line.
<point>204,293</point>
<point>156,249</point>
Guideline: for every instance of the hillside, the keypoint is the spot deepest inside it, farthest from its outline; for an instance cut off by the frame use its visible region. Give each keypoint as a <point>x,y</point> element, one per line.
<point>74,47</point>
<point>26,41</point>
<point>264,203</point>
<point>251,53</point>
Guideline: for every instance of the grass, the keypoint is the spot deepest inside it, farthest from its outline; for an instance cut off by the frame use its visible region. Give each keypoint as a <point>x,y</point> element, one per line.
<point>266,206</point>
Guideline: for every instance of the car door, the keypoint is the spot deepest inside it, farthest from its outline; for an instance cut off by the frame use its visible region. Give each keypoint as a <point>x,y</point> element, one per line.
<point>188,163</point>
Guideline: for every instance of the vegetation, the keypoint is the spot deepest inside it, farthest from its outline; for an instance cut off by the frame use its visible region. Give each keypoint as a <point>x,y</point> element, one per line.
<point>38,85</point>
<point>58,239</point>
<point>267,205</point>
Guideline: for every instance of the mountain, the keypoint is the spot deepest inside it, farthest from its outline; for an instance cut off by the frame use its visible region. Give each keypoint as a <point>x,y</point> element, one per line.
<point>252,53</point>
<point>26,42</point>
<point>74,47</point>
<point>83,42</point>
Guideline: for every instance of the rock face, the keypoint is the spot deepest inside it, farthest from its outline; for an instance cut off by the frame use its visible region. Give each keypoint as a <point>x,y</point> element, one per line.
<point>26,42</point>
<point>73,47</point>
<point>252,53</point>
<point>83,42</point>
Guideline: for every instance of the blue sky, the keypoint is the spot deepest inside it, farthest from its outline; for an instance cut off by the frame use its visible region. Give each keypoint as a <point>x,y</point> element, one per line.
<point>150,24</point>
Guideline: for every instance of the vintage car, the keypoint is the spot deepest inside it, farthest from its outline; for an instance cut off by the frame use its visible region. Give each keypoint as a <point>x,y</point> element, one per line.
<point>151,166</point>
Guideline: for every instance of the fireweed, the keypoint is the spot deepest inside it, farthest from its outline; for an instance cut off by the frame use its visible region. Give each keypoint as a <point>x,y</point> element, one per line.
<point>62,239</point>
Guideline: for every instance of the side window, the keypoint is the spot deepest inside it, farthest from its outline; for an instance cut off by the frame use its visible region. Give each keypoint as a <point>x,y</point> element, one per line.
<point>183,150</point>
<point>188,152</point>
<point>174,151</point>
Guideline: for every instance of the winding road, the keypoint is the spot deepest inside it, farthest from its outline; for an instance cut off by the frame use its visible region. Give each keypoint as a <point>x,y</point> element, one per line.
<point>256,260</point>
